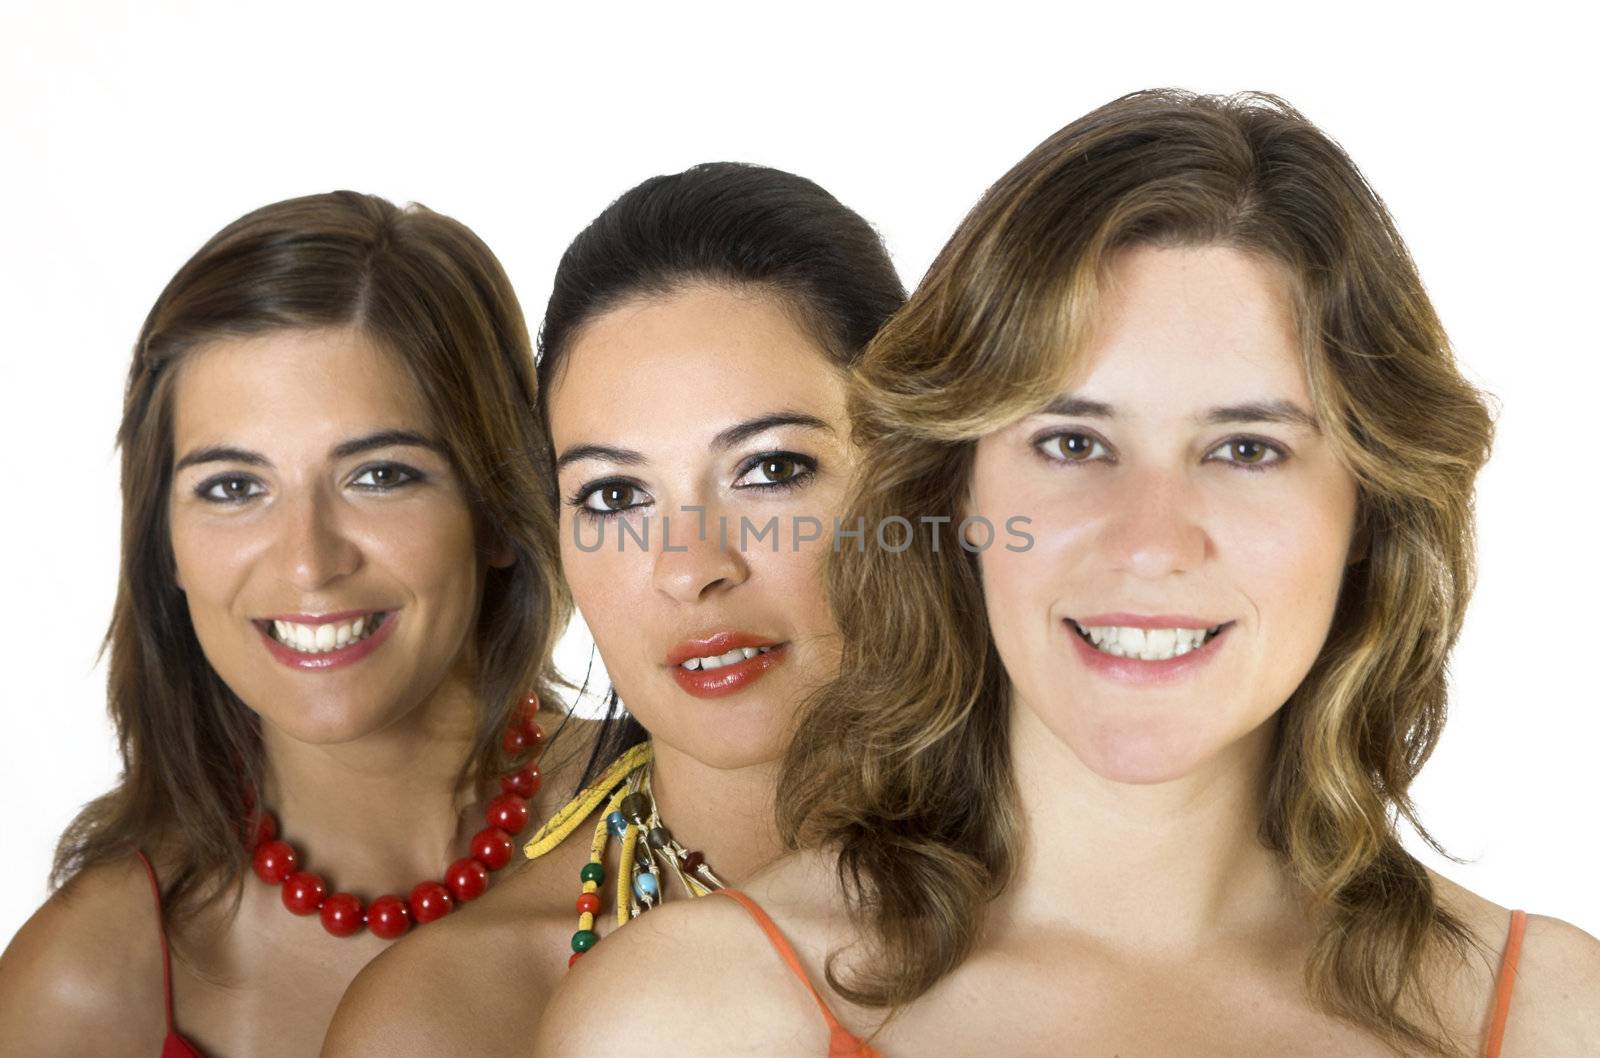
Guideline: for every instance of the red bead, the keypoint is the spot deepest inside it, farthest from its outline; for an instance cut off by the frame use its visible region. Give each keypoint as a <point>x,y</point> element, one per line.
<point>508,812</point>
<point>341,915</point>
<point>531,729</point>
<point>692,862</point>
<point>430,900</point>
<point>573,958</point>
<point>266,829</point>
<point>588,904</point>
<point>274,862</point>
<point>467,879</point>
<point>515,741</point>
<point>492,848</point>
<point>303,892</point>
<point>388,917</point>
<point>524,782</point>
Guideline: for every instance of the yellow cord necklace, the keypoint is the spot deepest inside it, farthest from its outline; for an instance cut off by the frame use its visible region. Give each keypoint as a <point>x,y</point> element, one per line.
<point>630,813</point>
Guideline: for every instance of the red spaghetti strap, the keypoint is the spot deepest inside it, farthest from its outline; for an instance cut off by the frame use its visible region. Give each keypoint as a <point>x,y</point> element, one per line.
<point>841,1042</point>
<point>1504,982</point>
<point>161,931</point>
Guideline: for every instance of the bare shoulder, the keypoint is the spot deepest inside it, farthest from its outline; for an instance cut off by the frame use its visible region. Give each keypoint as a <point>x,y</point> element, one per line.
<point>84,974</point>
<point>699,973</point>
<point>428,992</point>
<point>1555,999</point>
<point>1555,1006</point>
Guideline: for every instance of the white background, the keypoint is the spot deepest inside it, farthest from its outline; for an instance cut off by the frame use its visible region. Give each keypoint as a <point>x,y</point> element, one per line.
<point>128,134</point>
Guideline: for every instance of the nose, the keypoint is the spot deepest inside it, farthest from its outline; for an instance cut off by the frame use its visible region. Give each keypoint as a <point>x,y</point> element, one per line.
<point>693,560</point>
<point>313,549</point>
<point>1155,528</point>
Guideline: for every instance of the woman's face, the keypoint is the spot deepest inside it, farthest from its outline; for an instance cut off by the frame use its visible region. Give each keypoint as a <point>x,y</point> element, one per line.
<point>1191,526</point>
<point>321,535</point>
<point>701,442</point>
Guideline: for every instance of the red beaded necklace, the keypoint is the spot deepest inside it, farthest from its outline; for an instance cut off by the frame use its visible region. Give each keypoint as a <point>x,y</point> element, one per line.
<point>305,893</point>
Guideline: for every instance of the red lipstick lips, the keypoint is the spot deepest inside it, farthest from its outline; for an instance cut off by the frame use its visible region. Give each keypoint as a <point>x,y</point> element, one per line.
<point>723,679</point>
<point>328,659</point>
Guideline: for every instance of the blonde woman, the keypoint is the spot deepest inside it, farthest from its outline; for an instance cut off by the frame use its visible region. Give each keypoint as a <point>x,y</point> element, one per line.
<point>1129,785</point>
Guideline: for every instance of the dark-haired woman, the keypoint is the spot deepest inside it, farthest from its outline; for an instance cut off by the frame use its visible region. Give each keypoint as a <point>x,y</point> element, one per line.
<point>1130,785</point>
<point>335,604</point>
<point>692,372</point>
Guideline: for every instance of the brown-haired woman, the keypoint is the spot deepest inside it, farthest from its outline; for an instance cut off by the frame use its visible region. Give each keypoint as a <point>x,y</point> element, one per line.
<point>1129,785</point>
<point>692,374</point>
<point>334,606</point>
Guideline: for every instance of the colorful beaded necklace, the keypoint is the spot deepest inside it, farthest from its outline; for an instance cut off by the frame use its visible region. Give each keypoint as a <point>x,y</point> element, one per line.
<point>304,893</point>
<point>629,814</point>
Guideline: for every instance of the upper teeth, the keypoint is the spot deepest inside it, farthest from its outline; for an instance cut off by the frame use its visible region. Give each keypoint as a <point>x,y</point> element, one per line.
<point>716,661</point>
<point>1146,644</point>
<point>318,639</point>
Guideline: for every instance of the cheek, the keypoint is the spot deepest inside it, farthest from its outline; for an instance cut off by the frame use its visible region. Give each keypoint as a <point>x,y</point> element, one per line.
<point>608,589</point>
<point>211,561</point>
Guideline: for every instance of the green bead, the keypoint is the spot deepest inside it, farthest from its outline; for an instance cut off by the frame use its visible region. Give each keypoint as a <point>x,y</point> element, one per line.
<point>584,939</point>
<point>593,872</point>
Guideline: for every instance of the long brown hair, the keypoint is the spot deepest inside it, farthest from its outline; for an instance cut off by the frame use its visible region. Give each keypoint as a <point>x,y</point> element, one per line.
<point>427,290</point>
<point>905,770</point>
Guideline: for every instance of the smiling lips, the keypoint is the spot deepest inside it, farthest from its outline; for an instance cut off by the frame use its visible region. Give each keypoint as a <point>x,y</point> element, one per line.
<point>724,663</point>
<point>316,643</point>
<point>1135,648</point>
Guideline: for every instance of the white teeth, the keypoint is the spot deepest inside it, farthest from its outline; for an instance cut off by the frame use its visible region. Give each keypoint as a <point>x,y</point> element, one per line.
<point>1147,644</point>
<point>319,639</point>
<point>716,661</point>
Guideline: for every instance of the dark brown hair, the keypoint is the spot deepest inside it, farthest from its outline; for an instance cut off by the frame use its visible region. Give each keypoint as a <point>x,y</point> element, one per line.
<point>906,769</point>
<point>428,291</point>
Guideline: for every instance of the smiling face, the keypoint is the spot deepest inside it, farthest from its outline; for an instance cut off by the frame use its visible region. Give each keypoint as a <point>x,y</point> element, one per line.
<point>713,631</point>
<point>1191,525</point>
<point>321,537</point>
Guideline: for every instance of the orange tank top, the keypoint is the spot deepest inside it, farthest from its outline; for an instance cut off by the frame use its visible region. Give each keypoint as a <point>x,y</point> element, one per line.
<point>843,1044</point>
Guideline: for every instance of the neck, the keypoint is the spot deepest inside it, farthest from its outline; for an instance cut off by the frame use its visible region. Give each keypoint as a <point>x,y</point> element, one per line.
<point>725,814</point>
<point>386,810</point>
<point>1160,868</point>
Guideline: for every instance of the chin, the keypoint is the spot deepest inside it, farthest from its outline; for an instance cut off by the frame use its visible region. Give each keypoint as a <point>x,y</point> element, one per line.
<point>1140,756</point>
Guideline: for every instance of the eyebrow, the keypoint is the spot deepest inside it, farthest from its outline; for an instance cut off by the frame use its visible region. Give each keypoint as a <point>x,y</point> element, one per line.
<point>727,438</point>
<point>343,450</point>
<point>1278,411</point>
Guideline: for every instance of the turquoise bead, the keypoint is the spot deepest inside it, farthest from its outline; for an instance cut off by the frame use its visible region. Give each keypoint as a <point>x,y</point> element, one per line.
<point>645,886</point>
<point>617,824</point>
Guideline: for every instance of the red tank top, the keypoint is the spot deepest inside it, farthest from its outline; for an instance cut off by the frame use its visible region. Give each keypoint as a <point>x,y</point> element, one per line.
<point>842,1044</point>
<point>174,1046</point>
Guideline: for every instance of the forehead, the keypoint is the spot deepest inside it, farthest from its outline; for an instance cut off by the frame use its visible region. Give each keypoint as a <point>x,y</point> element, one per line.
<point>1193,326</point>
<point>292,383</point>
<point>687,364</point>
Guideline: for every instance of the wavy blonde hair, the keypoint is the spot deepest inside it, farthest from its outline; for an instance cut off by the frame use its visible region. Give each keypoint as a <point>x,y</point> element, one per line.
<point>995,330</point>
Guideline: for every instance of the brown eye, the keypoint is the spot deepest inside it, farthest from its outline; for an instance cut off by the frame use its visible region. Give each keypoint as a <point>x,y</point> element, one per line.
<point>1249,453</point>
<point>616,497</point>
<point>776,469</point>
<point>1070,447</point>
<point>612,497</point>
<point>779,469</point>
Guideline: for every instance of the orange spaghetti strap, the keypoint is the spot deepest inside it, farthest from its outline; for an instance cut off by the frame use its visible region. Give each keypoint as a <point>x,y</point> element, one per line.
<point>161,931</point>
<point>1504,982</point>
<point>841,1042</point>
